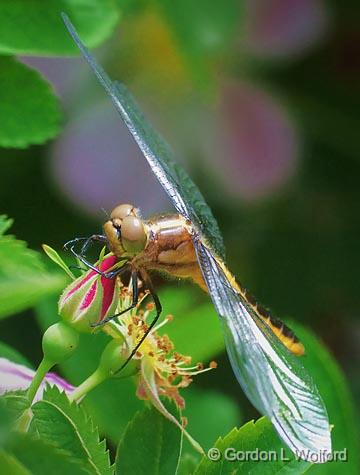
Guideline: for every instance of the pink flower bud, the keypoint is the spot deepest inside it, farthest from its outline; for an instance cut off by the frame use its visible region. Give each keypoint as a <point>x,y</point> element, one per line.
<point>90,298</point>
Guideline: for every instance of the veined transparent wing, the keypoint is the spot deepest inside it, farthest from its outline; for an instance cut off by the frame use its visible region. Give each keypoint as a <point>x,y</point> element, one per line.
<point>182,191</point>
<point>272,378</point>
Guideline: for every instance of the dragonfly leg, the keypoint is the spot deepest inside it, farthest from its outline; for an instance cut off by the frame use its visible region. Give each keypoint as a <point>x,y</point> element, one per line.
<point>90,239</point>
<point>86,262</point>
<point>135,300</point>
<point>72,242</point>
<point>70,246</point>
<point>158,308</point>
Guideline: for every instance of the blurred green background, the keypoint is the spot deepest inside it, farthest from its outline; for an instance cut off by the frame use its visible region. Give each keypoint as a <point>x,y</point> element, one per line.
<point>260,100</point>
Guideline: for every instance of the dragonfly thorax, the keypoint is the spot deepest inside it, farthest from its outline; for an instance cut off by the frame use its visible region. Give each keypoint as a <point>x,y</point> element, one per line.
<point>125,231</point>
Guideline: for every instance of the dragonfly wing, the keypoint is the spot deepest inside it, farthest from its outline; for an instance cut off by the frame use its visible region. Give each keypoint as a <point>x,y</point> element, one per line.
<point>272,378</point>
<point>182,191</point>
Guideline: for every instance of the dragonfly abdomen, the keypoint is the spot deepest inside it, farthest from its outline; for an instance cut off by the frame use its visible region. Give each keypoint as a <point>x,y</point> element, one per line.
<point>282,331</point>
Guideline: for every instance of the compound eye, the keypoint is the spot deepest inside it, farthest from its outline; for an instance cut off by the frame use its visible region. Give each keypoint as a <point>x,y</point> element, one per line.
<point>133,234</point>
<point>121,211</point>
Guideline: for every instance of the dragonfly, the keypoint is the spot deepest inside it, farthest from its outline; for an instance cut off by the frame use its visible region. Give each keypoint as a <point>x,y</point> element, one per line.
<point>264,353</point>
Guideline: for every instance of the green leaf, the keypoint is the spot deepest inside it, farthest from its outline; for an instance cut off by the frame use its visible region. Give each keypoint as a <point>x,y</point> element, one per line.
<point>338,400</point>
<point>29,111</point>
<point>16,403</point>
<point>65,425</point>
<point>55,257</point>
<point>184,194</point>
<point>23,279</point>
<point>36,27</point>
<point>22,454</point>
<point>151,445</point>
<point>39,458</point>
<point>119,394</point>
<point>254,437</point>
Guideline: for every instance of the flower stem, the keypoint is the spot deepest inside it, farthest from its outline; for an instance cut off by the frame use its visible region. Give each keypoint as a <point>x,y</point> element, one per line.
<point>43,368</point>
<point>90,383</point>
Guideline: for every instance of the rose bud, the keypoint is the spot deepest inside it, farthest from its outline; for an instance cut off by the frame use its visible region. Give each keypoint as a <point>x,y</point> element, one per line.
<point>90,298</point>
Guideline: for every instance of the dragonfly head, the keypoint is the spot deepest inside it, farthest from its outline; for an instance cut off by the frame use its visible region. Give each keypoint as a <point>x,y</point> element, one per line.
<point>125,231</point>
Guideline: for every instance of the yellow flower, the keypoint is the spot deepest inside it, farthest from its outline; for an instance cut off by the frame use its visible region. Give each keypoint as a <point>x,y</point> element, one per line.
<point>163,371</point>
<point>171,370</point>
